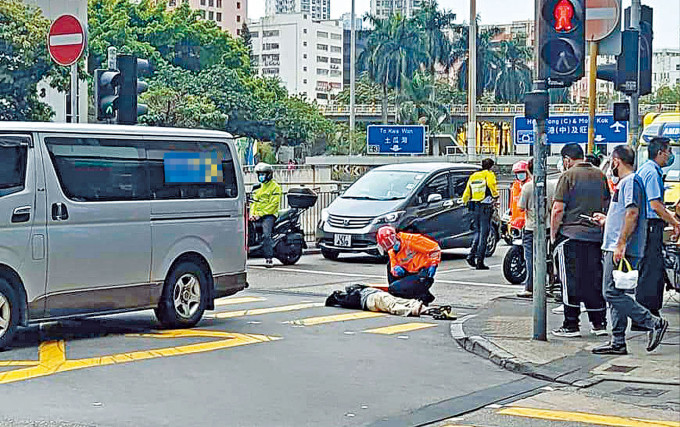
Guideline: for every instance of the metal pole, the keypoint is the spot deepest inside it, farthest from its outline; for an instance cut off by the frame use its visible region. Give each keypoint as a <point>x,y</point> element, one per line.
<point>635,12</point>
<point>111,58</point>
<point>540,238</point>
<point>592,95</point>
<point>352,77</point>
<point>472,81</point>
<point>74,93</point>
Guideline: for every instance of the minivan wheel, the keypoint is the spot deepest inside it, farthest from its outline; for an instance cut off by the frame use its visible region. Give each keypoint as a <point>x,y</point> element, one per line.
<point>330,254</point>
<point>184,296</point>
<point>491,243</point>
<point>9,313</point>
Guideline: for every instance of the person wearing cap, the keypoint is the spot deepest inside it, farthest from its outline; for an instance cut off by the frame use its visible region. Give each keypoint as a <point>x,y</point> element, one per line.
<point>413,262</point>
<point>265,207</point>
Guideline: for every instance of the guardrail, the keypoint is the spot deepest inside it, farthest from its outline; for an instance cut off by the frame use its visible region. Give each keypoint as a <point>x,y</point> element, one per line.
<point>489,109</point>
<point>310,218</point>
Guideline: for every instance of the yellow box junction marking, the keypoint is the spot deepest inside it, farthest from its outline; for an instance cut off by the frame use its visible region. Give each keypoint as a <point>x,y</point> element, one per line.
<point>258,311</point>
<point>52,354</point>
<point>240,300</point>
<point>404,327</point>
<point>581,417</point>
<point>311,321</point>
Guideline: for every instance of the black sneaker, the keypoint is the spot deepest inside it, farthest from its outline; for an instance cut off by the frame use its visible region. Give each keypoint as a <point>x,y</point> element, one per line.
<point>656,335</point>
<point>566,332</point>
<point>599,330</point>
<point>481,266</point>
<point>470,260</point>
<point>611,349</point>
<point>638,328</point>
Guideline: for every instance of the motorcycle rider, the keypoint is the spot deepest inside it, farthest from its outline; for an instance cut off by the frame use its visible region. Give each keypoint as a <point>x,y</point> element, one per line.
<point>413,262</point>
<point>265,207</point>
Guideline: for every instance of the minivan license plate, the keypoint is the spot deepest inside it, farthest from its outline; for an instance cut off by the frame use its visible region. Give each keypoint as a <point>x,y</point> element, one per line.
<point>343,240</point>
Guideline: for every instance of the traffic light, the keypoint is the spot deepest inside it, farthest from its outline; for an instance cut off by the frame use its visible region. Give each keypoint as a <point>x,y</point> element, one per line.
<point>646,36</point>
<point>106,93</point>
<point>561,41</point>
<point>624,73</point>
<point>131,68</point>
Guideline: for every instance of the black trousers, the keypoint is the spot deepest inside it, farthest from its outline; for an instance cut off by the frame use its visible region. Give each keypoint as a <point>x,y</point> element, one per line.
<point>650,287</point>
<point>414,286</point>
<point>482,213</point>
<point>580,269</point>
<point>267,229</point>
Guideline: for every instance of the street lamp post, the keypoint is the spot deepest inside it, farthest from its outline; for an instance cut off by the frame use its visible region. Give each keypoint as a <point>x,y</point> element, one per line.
<point>352,77</point>
<point>472,81</point>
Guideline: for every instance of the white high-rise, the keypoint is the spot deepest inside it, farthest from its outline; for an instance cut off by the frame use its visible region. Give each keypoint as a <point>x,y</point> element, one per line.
<point>304,53</point>
<point>384,8</point>
<point>319,10</point>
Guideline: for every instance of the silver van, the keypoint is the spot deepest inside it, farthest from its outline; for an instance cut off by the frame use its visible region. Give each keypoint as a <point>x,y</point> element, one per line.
<point>98,219</point>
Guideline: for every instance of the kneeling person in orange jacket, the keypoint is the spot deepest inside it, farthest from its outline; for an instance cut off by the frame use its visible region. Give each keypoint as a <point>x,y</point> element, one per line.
<point>413,263</point>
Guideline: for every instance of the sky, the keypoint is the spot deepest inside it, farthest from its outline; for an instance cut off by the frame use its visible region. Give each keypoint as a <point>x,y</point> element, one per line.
<point>666,14</point>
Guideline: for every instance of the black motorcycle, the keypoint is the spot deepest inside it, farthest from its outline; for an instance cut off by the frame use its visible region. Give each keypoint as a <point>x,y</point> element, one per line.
<point>288,238</point>
<point>671,258</point>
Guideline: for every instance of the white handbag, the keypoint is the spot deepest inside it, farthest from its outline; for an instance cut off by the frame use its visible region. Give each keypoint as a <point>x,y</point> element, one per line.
<point>625,280</point>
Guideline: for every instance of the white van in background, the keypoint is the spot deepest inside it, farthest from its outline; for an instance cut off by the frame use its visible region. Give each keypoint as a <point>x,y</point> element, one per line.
<point>98,219</point>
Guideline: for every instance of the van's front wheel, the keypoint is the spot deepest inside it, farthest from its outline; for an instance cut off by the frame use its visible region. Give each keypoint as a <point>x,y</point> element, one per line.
<point>184,296</point>
<point>9,313</point>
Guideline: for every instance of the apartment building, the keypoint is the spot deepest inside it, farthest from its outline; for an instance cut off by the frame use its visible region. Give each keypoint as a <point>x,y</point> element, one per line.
<point>665,68</point>
<point>229,15</point>
<point>384,8</point>
<point>319,10</point>
<point>306,54</point>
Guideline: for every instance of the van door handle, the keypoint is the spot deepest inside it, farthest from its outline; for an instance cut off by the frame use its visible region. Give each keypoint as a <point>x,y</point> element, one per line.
<point>22,214</point>
<point>448,203</point>
<point>59,212</point>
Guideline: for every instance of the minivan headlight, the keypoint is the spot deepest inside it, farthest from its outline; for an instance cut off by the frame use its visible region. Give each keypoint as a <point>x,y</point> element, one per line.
<point>389,218</point>
<point>324,215</point>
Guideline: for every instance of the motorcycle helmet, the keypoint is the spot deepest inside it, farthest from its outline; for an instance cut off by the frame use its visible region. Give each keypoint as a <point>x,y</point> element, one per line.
<point>264,171</point>
<point>520,170</point>
<point>386,238</point>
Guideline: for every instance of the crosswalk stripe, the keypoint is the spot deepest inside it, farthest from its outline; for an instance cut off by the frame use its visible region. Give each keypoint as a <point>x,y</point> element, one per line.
<point>240,300</point>
<point>581,417</point>
<point>404,327</point>
<point>258,311</point>
<point>311,321</point>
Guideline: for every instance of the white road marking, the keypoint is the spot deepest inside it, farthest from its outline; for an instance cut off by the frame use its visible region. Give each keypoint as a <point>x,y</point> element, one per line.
<point>375,276</point>
<point>66,39</point>
<point>464,269</point>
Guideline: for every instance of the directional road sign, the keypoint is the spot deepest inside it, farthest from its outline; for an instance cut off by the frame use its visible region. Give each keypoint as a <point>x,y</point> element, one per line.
<point>66,40</point>
<point>396,139</point>
<point>566,129</point>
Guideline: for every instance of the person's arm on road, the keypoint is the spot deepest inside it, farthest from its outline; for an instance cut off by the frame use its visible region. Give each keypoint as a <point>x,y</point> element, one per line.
<point>556,216</point>
<point>629,224</point>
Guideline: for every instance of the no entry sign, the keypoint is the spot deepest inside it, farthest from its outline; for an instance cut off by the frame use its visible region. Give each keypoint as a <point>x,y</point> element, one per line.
<point>602,17</point>
<point>66,40</point>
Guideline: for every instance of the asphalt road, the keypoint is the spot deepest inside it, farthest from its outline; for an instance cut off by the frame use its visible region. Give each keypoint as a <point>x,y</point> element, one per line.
<point>272,355</point>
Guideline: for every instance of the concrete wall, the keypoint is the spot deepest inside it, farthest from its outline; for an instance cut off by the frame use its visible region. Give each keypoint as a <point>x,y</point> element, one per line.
<point>317,178</point>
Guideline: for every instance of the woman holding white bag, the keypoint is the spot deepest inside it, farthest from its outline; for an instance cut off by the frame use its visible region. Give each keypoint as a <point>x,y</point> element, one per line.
<point>623,243</point>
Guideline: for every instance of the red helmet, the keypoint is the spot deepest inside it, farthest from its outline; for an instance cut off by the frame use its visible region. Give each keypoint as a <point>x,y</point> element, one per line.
<point>521,166</point>
<point>386,237</point>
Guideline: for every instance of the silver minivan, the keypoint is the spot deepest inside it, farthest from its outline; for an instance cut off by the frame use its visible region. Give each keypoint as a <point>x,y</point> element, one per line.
<point>98,219</point>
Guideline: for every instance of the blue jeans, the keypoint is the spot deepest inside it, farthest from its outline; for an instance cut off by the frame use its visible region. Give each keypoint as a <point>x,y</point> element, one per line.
<point>622,305</point>
<point>528,243</point>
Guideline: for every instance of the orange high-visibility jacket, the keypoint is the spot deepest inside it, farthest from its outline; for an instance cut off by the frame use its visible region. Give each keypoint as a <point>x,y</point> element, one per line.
<point>517,216</point>
<point>416,252</point>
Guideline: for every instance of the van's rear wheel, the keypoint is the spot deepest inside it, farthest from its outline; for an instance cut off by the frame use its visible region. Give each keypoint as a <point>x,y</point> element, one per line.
<point>9,313</point>
<point>184,296</point>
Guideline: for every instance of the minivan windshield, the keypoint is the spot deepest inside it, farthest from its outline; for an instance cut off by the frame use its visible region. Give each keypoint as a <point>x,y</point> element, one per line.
<point>384,185</point>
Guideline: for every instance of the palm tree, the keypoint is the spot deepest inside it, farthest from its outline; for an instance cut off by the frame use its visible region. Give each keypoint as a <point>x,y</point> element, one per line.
<point>417,106</point>
<point>514,79</point>
<point>489,62</point>
<point>394,51</point>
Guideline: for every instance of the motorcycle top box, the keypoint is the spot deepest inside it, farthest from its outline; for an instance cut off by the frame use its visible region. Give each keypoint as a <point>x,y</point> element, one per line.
<point>301,198</point>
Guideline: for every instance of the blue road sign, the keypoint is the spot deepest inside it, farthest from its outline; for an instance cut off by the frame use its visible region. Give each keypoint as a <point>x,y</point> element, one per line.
<point>566,129</point>
<point>396,139</point>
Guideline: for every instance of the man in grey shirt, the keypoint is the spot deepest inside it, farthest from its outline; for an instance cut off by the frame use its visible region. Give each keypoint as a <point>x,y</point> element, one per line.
<point>526,204</point>
<point>624,237</point>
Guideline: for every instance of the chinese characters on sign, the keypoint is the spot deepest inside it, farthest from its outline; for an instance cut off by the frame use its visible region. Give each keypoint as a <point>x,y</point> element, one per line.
<point>566,129</point>
<point>395,139</point>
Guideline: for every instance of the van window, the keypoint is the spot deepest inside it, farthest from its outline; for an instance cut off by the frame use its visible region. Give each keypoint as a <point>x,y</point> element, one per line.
<point>458,184</point>
<point>13,157</point>
<point>437,185</point>
<point>191,170</point>
<point>94,169</point>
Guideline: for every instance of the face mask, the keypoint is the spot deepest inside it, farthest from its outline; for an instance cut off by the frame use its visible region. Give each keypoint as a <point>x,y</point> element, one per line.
<point>671,159</point>
<point>396,246</point>
<point>261,178</point>
<point>521,176</point>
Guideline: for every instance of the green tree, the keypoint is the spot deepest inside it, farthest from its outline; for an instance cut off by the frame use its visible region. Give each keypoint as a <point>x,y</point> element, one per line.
<point>24,62</point>
<point>367,92</point>
<point>417,106</point>
<point>667,95</point>
<point>514,79</point>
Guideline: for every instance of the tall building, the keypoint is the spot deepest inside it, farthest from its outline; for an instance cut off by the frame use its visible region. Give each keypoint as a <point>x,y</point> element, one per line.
<point>346,19</point>
<point>229,15</point>
<point>361,40</point>
<point>384,8</point>
<point>665,68</point>
<point>524,31</point>
<point>304,53</point>
<point>319,10</point>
